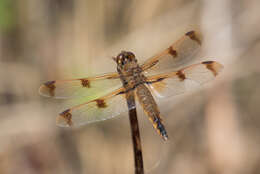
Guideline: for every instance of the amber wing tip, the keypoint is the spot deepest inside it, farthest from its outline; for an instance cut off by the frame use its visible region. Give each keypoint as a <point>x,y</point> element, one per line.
<point>64,119</point>
<point>218,67</point>
<point>195,35</point>
<point>47,89</point>
<point>62,122</point>
<point>192,32</point>
<point>214,66</point>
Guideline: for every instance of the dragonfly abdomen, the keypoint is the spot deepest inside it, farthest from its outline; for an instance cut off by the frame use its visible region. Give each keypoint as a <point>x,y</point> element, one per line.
<point>150,107</point>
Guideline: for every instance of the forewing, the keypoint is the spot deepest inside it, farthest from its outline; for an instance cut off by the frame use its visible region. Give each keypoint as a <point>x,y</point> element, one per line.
<point>85,87</point>
<point>174,83</point>
<point>99,109</point>
<point>178,53</point>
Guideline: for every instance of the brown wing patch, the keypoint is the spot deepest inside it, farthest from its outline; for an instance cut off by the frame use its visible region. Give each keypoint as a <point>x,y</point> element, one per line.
<point>213,67</point>
<point>85,83</point>
<point>49,88</point>
<point>172,51</point>
<point>101,103</point>
<point>193,36</point>
<point>181,75</point>
<point>67,116</point>
<point>208,62</point>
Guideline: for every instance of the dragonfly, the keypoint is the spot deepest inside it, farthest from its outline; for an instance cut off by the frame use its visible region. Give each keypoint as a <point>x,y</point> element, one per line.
<point>155,78</point>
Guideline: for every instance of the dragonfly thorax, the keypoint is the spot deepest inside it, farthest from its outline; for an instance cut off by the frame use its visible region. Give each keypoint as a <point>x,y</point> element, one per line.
<point>129,70</point>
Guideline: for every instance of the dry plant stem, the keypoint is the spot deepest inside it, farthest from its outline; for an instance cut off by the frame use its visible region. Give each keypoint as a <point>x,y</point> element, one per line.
<point>139,167</point>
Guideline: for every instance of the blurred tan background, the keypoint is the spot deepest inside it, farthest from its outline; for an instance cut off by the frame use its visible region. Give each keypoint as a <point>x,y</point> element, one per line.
<point>212,130</point>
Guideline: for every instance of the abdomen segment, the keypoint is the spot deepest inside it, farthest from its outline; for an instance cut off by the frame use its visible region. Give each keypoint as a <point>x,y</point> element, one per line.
<point>150,108</point>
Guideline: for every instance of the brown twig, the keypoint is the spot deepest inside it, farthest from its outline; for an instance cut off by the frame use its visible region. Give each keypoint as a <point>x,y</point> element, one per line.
<point>139,167</point>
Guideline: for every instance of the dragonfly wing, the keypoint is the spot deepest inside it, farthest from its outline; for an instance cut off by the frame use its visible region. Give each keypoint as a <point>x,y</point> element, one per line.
<point>102,108</point>
<point>177,54</point>
<point>174,83</point>
<point>91,87</point>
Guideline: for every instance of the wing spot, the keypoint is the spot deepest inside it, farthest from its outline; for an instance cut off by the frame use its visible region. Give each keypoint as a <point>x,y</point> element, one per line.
<point>193,36</point>
<point>67,116</point>
<point>51,87</point>
<point>85,83</point>
<point>172,52</point>
<point>210,66</point>
<point>181,75</point>
<point>101,103</point>
<point>207,62</point>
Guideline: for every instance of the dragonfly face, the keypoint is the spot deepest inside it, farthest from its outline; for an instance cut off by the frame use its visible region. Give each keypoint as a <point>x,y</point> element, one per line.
<point>125,60</point>
<point>130,82</point>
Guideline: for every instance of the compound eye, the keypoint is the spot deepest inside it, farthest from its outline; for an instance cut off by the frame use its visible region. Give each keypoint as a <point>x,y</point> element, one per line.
<point>123,61</point>
<point>131,56</point>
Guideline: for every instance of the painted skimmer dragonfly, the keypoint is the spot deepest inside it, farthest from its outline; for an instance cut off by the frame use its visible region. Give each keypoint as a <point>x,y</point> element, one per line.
<point>132,81</point>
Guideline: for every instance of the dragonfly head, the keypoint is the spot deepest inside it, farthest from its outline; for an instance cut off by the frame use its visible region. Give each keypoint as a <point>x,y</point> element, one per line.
<point>124,58</point>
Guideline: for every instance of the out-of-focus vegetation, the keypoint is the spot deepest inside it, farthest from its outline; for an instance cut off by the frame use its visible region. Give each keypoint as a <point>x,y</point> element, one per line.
<point>213,130</point>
